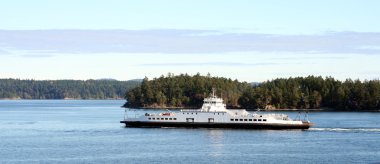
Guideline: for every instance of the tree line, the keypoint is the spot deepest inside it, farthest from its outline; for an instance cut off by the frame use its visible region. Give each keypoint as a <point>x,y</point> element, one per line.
<point>183,91</point>
<point>64,89</point>
<point>310,92</point>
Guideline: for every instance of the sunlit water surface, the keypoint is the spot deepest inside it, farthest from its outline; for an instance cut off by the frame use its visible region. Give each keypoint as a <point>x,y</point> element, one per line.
<point>88,131</point>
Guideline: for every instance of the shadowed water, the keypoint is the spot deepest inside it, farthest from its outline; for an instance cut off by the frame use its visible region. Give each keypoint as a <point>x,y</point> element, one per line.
<point>88,131</point>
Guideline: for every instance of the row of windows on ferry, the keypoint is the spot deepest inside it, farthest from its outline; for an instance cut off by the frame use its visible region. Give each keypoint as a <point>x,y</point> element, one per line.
<point>248,119</point>
<point>230,120</point>
<point>162,118</point>
<point>197,113</point>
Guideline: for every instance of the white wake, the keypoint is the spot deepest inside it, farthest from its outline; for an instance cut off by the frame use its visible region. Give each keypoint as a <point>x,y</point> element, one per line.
<point>347,129</point>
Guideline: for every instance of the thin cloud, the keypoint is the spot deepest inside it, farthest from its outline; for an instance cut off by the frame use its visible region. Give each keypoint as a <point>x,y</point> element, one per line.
<point>311,58</point>
<point>183,41</point>
<point>37,56</point>
<point>3,52</point>
<point>228,64</point>
<point>369,47</point>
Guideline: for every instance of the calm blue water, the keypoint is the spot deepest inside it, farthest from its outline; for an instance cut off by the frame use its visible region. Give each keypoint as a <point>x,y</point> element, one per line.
<point>76,131</point>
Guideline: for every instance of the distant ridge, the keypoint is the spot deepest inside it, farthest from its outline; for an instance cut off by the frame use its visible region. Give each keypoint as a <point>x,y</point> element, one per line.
<point>136,80</point>
<point>107,79</point>
<point>255,84</point>
<point>65,89</point>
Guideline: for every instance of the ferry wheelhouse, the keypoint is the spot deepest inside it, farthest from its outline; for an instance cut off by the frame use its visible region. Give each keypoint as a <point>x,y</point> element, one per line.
<point>214,114</point>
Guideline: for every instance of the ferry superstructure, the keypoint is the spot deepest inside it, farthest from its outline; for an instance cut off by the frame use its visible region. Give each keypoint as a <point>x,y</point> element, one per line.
<point>214,114</point>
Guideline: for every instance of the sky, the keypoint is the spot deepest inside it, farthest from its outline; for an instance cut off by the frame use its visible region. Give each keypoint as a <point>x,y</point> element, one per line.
<point>248,40</point>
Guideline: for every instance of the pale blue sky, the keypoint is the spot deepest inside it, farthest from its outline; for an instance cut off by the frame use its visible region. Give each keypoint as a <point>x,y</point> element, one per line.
<point>244,39</point>
<point>268,16</point>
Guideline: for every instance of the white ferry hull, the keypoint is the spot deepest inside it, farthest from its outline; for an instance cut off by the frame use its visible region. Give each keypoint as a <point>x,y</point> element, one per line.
<point>304,125</point>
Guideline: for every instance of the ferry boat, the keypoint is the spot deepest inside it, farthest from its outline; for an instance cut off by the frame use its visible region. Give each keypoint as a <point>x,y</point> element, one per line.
<point>214,114</point>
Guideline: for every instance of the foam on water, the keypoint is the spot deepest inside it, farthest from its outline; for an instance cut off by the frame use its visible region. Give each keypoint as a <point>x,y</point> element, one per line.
<point>346,129</point>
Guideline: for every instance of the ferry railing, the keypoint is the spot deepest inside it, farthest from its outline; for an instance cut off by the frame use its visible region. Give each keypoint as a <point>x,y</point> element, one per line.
<point>305,117</point>
<point>128,113</point>
<point>136,113</point>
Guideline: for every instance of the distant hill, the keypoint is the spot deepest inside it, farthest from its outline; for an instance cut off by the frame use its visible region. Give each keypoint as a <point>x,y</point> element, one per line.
<point>136,80</point>
<point>65,89</point>
<point>255,84</point>
<point>107,79</point>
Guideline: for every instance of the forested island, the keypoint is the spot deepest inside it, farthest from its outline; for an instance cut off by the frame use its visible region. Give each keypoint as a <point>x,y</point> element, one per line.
<point>65,89</point>
<point>184,91</point>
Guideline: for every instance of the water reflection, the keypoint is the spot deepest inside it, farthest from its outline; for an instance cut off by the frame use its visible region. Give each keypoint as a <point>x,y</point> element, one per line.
<point>216,140</point>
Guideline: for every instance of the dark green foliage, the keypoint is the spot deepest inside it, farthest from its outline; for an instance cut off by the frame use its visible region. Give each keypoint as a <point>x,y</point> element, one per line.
<point>64,89</point>
<point>184,91</point>
<point>313,93</point>
<point>301,93</point>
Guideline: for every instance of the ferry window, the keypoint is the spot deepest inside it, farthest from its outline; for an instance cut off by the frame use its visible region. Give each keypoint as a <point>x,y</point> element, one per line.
<point>241,119</point>
<point>183,113</point>
<point>175,118</point>
<point>191,113</point>
<point>259,119</point>
<point>187,113</point>
<point>250,120</point>
<point>261,116</point>
<point>232,119</point>
<point>245,120</point>
<point>218,113</point>
<point>196,113</point>
<point>162,118</point>
<point>170,118</point>
<point>264,119</point>
<point>154,118</point>
<point>166,118</point>
<point>236,120</point>
<point>149,118</point>
<point>254,119</point>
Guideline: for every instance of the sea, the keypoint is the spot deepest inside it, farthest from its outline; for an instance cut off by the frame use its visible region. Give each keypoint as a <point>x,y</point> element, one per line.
<point>88,131</point>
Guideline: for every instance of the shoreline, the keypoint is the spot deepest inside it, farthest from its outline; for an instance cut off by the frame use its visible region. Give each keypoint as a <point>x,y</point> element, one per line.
<point>56,99</point>
<point>179,108</point>
<point>262,110</point>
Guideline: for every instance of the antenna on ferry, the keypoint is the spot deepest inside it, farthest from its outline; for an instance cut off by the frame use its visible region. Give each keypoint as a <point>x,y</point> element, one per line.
<point>125,113</point>
<point>306,116</point>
